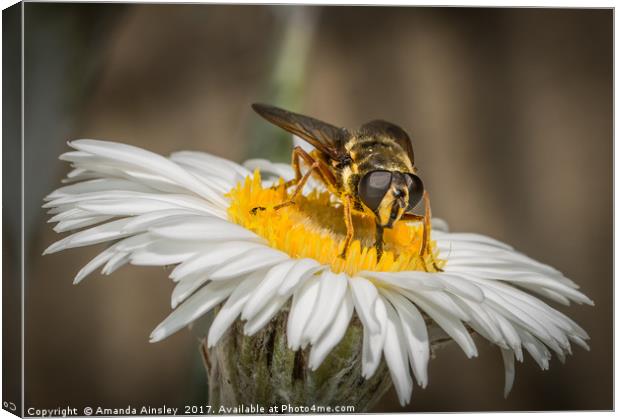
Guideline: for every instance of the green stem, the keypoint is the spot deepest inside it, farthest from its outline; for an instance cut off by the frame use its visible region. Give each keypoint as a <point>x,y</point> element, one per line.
<point>286,86</point>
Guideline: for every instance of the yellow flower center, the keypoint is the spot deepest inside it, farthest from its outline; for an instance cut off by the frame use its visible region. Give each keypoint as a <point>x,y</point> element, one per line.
<point>314,228</point>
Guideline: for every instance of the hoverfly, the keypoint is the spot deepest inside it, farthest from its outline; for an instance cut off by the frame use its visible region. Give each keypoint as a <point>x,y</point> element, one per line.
<point>369,170</point>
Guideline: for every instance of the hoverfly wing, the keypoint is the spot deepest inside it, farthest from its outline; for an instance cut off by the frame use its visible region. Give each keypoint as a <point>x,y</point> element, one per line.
<point>325,137</point>
<point>381,127</point>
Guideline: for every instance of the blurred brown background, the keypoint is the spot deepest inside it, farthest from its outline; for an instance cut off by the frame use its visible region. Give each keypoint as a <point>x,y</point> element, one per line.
<point>510,111</point>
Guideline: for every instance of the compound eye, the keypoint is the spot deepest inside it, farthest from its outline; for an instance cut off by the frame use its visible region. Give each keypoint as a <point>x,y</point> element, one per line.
<point>416,190</point>
<point>373,186</point>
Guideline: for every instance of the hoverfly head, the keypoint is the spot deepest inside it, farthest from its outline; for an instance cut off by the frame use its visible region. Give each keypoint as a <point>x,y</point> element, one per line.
<point>390,194</point>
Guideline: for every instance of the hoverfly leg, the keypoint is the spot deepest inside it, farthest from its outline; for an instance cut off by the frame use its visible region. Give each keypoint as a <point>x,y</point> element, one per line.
<point>286,184</point>
<point>298,180</point>
<point>348,220</point>
<point>315,165</point>
<point>426,232</point>
<point>412,217</point>
<point>298,188</point>
<point>379,241</point>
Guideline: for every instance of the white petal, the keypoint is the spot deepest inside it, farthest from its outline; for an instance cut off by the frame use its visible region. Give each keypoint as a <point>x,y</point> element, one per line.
<point>461,287</point>
<point>77,174</point>
<point>209,163</point>
<point>115,262</point>
<point>304,302</point>
<point>155,181</point>
<point>536,349</point>
<point>365,295</point>
<point>331,292</point>
<point>444,302</point>
<point>150,162</point>
<point>482,321</point>
<point>470,238</point>
<point>69,213</point>
<point>334,333</point>
<point>94,235</point>
<point>147,203</point>
<point>510,260</point>
<point>514,309</point>
<point>448,322</point>
<point>510,334</point>
<point>231,310</point>
<point>94,264</point>
<point>254,259</point>
<point>184,289</point>
<point>493,258</point>
<point>267,289</point>
<point>205,228</point>
<point>166,252</point>
<point>198,304</point>
<point>218,184</point>
<point>527,316</point>
<point>509,368</point>
<point>576,329</point>
<point>90,196</point>
<point>411,280</point>
<point>544,292</point>
<point>524,275</point>
<point>579,341</point>
<point>78,223</point>
<point>98,185</point>
<point>264,316</point>
<point>134,243</point>
<point>213,257</point>
<point>415,335</point>
<point>556,323</point>
<point>303,268</point>
<point>151,219</point>
<point>220,177</point>
<point>373,342</point>
<point>396,356</point>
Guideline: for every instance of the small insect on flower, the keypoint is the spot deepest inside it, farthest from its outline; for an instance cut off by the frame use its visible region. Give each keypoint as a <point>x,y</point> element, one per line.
<point>371,170</point>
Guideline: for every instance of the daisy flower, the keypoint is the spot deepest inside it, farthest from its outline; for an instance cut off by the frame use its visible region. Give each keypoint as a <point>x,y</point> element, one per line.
<point>193,210</point>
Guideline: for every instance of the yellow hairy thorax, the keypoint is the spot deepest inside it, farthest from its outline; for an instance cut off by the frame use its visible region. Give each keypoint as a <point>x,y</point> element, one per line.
<point>314,228</point>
